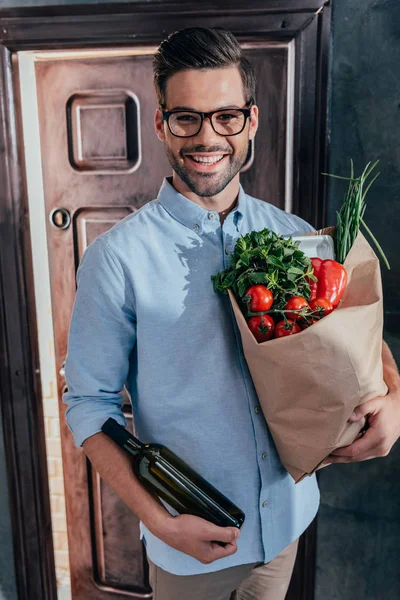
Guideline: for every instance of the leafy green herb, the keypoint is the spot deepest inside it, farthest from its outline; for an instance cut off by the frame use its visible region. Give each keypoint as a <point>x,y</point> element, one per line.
<point>270,259</point>
<point>351,214</point>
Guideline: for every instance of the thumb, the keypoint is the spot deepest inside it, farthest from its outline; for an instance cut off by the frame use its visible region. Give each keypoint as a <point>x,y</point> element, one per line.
<point>224,534</point>
<point>365,409</point>
<point>357,414</point>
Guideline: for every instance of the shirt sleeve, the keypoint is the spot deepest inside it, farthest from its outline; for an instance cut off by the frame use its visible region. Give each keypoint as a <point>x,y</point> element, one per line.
<point>102,335</point>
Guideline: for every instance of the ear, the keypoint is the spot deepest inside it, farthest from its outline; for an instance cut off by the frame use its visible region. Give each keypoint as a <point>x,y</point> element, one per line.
<point>159,125</point>
<point>253,122</point>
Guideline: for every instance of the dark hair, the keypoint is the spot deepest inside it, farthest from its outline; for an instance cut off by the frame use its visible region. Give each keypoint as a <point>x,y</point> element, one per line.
<point>200,48</point>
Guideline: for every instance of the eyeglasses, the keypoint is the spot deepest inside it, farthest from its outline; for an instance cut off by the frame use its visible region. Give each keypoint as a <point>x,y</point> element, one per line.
<point>187,123</point>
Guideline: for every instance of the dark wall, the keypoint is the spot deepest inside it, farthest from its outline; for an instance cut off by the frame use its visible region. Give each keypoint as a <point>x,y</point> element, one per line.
<point>8,590</point>
<point>359,520</point>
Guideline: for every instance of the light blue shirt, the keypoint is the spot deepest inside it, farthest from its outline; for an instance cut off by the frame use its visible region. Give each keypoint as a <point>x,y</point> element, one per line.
<point>146,316</point>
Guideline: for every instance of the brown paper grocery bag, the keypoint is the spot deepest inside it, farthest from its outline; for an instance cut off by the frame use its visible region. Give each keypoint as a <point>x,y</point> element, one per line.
<point>308,384</point>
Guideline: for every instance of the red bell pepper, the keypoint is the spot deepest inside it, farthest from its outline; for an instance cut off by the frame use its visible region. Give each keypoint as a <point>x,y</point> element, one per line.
<point>332,280</point>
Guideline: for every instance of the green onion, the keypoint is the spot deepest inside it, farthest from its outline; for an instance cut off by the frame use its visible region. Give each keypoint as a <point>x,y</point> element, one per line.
<point>352,211</point>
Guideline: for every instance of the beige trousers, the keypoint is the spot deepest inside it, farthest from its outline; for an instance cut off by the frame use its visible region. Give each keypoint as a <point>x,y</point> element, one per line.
<point>255,581</point>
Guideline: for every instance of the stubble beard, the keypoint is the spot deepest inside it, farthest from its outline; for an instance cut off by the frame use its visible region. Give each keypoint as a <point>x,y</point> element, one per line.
<point>207,184</point>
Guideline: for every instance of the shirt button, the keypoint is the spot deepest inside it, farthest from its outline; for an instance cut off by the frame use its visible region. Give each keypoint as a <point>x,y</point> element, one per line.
<point>226,250</point>
<point>196,226</point>
<point>264,456</point>
<point>211,215</point>
<point>257,409</point>
<point>265,503</point>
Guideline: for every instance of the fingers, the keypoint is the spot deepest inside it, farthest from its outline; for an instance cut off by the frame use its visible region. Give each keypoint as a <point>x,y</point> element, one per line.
<point>202,539</point>
<point>367,408</point>
<point>225,535</point>
<point>218,542</point>
<point>222,534</point>
<point>217,551</point>
<point>367,447</point>
<point>355,416</point>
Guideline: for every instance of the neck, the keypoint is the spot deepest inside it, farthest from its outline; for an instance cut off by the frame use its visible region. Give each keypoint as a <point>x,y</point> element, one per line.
<point>222,203</point>
<point>224,213</point>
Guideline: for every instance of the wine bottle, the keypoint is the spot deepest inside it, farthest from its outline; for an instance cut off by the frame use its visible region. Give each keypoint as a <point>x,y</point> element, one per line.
<point>163,473</point>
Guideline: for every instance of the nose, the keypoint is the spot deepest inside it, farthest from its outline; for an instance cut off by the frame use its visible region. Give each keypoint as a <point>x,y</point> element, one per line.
<point>207,135</point>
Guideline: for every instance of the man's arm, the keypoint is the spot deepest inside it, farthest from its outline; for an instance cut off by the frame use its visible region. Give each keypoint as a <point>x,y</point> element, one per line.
<point>101,338</point>
<point>383,413</point>
<point>115,468</point>
<point>389,364</point>
<point>186,533</point>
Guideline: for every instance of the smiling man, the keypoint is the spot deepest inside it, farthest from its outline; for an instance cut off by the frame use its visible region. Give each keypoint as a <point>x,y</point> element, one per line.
<point>207,149</point>
<point>145,302</point>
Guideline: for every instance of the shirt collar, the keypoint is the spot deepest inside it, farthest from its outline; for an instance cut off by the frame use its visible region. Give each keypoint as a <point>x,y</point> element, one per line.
<point>191,214</point>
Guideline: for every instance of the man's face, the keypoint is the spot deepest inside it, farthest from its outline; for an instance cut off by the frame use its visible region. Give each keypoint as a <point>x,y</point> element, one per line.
<point>206,90</point>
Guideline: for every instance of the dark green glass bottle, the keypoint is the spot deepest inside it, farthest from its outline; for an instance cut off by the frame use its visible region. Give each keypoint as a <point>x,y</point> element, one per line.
<point>163,473</point>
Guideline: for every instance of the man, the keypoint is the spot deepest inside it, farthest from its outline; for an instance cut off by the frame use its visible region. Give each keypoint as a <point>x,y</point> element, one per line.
<point>145,301</point>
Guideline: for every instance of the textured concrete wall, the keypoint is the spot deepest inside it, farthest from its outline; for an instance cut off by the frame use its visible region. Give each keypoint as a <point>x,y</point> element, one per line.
<point>359,522</point>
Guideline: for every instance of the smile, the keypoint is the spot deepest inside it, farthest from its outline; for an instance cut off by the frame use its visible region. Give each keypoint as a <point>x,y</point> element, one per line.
<point>209,160</point>
<point>206,162</point>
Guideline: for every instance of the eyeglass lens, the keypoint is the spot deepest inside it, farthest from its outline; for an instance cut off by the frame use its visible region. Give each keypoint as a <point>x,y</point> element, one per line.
<point>185,124</point>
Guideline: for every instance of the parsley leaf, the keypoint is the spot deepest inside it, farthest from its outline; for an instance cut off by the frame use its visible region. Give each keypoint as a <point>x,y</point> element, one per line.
<point>264,257</point>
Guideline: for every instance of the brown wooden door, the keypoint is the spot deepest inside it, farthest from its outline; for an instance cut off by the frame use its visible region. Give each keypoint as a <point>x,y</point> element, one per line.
<point>102,160</point>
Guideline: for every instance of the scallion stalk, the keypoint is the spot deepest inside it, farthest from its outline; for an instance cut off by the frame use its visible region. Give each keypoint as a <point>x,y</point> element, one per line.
<point>351,214</point>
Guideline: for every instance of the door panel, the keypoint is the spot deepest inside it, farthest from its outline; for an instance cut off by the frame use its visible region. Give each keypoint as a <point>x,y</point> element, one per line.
<point>101,161</point>
<point>90,222</point>
<point>266,177</point>
<point>104,131</point>
<point>119,559</point>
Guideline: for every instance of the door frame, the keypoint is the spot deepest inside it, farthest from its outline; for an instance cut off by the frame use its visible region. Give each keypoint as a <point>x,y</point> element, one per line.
<point>90,26</point>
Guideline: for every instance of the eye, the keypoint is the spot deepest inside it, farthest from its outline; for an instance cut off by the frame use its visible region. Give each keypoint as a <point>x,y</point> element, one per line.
<point>226,117</point>
<point>185,118</point>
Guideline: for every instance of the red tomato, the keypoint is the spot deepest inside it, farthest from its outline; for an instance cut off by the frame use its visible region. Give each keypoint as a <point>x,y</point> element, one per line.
<point>262,327</point>
<point>282,329</point>
<point>324,308</point>
<point>323,305</point>
<point>296,303</point>
<point>258,298</point>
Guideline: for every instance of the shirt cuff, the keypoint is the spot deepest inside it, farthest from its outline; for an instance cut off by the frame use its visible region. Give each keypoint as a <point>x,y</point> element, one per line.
<point>83,428</point>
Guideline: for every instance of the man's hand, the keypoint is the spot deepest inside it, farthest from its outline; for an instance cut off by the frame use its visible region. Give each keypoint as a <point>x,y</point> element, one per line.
<point>383,415</point>
<point>194,536</point>
<point>198,538</point>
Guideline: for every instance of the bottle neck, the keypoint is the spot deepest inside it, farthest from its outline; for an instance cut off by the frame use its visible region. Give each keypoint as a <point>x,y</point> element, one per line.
<point>122,437</point>
<point>133,445</point>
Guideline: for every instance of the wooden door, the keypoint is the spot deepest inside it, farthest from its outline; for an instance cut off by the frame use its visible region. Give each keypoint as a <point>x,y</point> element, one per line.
<point>102,160</point>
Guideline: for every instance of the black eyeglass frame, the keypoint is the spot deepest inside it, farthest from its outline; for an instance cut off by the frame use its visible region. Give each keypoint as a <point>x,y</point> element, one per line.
<point>203,115</point>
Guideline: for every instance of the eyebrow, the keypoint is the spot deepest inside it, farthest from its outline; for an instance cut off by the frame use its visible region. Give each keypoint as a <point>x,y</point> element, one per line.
<point>231,106</point>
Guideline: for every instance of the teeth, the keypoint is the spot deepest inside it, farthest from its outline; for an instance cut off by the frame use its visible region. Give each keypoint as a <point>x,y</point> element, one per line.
<point>209,160</point>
